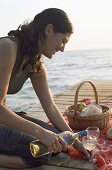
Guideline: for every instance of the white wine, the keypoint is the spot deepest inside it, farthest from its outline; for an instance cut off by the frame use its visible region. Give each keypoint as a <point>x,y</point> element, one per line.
<point>89,146</point>
<point>39,149</point>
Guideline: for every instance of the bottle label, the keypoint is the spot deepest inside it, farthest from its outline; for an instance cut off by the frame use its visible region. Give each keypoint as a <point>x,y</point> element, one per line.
<point>82,133</point>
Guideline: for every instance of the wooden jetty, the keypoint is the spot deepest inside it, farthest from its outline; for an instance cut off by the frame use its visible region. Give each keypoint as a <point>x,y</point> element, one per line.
<point>63,161</point>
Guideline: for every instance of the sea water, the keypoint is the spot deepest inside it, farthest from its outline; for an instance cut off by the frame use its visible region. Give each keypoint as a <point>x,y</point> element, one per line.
<point>64,70</point>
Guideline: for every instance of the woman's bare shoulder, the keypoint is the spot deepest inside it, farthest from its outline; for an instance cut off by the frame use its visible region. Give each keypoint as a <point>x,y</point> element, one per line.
<point>7,44</point>
<point>8,49</point>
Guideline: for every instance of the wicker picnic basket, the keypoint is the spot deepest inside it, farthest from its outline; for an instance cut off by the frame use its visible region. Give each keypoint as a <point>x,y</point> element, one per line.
<point>82,122</point>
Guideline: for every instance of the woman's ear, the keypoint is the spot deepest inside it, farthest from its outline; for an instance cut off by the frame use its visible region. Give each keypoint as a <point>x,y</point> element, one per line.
<point>49,29</point>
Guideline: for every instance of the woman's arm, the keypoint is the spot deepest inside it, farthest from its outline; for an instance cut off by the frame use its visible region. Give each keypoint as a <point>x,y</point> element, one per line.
<point>8,50</point>
<point>40,84</point>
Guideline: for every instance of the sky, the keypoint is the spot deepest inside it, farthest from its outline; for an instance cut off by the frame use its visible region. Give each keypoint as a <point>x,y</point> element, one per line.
<point>92,19</point>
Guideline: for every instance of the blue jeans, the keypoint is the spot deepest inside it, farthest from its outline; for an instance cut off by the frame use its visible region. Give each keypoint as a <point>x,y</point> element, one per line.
<point>13,142</point>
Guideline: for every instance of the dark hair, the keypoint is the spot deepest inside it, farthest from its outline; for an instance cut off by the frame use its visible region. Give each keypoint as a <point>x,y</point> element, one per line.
<point>28,34</point>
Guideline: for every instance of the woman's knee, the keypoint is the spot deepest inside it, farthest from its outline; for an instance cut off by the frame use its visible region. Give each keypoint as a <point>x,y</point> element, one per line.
<point>33,162</point>
<point>8,161</point>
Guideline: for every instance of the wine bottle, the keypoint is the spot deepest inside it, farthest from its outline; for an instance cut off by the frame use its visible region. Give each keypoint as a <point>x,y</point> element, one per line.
<point>39,149</point>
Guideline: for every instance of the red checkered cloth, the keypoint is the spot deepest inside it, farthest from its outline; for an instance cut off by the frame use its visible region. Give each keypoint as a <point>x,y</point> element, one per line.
<point>102,154</point>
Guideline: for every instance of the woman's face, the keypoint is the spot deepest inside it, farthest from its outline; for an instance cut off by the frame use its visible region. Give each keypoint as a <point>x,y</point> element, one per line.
<point>54,42</point>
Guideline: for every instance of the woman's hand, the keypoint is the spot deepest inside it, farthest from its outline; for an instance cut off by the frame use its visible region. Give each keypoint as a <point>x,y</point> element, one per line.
<point>79,146</point>
<point>52,140</point>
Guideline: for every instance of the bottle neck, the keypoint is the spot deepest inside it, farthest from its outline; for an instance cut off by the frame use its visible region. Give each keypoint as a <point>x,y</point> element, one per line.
<point>80,134</point>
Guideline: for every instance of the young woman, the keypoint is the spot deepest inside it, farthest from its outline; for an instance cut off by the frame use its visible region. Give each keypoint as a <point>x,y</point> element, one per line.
<point>20,59</point>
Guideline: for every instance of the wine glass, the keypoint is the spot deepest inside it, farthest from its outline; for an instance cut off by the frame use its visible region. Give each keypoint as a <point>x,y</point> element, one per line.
<point>93,133</point>
<point>89,143</point>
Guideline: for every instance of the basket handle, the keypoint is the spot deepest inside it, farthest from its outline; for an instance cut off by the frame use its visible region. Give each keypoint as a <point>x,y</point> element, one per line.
<point>77,92</point>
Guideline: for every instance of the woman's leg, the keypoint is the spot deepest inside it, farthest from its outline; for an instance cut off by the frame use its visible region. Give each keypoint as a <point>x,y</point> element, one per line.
<point>14,146</point>
<point>8,161</point>
<point>41,123</point>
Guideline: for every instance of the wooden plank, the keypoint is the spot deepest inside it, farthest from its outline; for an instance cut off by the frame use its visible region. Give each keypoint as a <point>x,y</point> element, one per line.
<point>45,167</point>
<point>87,93</point>
<point>64,160</point>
